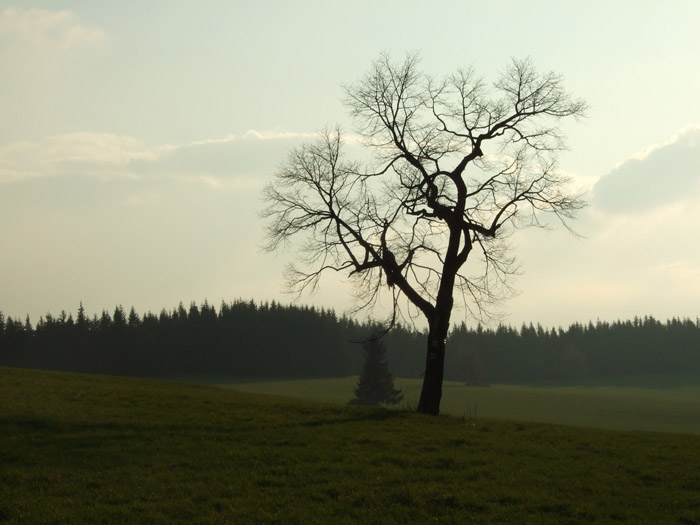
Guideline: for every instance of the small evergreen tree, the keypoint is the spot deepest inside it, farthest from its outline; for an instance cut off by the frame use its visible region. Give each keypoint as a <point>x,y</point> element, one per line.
<point>376,384</point>
<point>472,367</point>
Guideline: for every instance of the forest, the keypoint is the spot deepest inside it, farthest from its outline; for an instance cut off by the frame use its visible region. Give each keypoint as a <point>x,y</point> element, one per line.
<point>245,339</point>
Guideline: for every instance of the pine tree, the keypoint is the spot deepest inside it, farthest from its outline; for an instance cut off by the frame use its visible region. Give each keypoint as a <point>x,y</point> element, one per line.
<point>376,384</point>
<point>82,319</point>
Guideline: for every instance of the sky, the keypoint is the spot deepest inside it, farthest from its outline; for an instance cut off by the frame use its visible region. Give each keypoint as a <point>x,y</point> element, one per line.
<point>135,139</point>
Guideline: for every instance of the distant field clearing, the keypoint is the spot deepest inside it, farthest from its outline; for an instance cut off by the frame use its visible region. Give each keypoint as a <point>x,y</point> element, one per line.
<point>615,407</point>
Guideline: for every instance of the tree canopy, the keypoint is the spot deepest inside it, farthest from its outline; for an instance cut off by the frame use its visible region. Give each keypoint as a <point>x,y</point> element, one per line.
<point>455,166</point>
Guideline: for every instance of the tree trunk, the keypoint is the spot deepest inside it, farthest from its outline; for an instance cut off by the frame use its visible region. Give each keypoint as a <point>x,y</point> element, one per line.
<point>431,394</point>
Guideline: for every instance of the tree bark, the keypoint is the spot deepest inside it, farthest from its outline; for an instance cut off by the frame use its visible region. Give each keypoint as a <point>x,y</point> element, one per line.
<point>431,393</point>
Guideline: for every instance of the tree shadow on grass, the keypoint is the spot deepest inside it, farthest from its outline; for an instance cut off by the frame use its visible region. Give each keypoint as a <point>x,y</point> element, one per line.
<point>361,417</point>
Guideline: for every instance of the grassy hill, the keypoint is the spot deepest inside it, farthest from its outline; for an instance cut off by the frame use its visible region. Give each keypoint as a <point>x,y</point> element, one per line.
<point>95,449</point>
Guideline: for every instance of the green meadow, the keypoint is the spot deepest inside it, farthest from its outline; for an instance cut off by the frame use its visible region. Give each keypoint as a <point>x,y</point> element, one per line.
<point>96,449</point>
<point>656,404</point>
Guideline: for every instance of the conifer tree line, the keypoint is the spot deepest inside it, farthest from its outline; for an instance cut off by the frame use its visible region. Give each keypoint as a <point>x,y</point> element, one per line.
<point>248,340</point>
<point>241,339</point>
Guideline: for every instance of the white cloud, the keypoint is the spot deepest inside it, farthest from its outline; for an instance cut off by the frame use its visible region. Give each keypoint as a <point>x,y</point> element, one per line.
<point>688,134</point>
<point>228,162</point>
<point>276,134</point>
<point>44,29</point>
<point>218,183</point>
<point>639,255</point>
<point>102,155</point>
<point>682,275</point>
<point>657,176</point>
<point>148,198</point>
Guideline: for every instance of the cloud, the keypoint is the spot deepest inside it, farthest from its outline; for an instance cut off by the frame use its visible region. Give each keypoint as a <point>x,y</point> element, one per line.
<point>102,155</point>
<point>657,176</point>
<point>44,29</point>
<point>638,256</point>
<point>276,134</point>
<point>228,162</point>
<point>683,275</point>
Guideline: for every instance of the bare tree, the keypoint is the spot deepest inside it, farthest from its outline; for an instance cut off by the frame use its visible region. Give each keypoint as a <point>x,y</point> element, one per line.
<point>456,166</point>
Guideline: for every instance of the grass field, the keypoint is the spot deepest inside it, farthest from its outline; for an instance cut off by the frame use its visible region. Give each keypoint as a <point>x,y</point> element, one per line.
<point>668,406</point>
<point>95,449</point>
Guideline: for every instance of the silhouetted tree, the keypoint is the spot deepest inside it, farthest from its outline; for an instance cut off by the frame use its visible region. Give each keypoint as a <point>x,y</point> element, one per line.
<point>455,167</point>
<point>133,320</point>
<point>376,384</point>
<point>471,368</point>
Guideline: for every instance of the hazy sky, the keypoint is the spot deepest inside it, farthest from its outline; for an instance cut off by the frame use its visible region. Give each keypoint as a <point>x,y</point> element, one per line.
<point>135,138</point>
